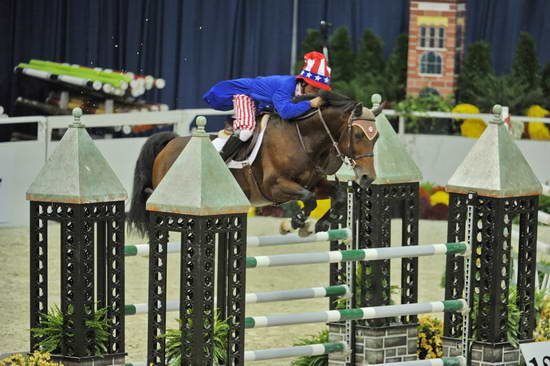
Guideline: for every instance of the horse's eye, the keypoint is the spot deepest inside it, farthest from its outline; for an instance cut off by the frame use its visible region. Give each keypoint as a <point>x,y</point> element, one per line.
<point>359,135</point>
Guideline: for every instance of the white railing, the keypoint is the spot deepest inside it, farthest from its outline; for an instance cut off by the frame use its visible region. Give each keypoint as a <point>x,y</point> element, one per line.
<point>181,119</point>
<point>485,117</point>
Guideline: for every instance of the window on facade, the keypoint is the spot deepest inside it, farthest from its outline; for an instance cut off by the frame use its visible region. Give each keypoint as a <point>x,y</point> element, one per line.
<point>430,63</point>
<point>458,38</point>
<point>432,37</point>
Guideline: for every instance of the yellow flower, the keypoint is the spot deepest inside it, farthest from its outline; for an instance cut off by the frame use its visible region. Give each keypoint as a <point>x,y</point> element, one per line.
<point>439,197</point>
<point>471,127</point>
<point>538,130</point>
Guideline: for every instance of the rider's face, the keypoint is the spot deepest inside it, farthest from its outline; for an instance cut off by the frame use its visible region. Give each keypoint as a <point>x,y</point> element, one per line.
<point>309,89</point>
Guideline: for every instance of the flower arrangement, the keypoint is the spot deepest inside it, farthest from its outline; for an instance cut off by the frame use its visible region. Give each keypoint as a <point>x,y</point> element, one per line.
<point>542,331</point>
<point>36,359</point>
<point>430,344</point>
<point>434,202</point>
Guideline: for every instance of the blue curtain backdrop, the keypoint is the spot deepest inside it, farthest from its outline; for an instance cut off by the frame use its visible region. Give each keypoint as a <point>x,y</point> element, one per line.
<point>195,43</point>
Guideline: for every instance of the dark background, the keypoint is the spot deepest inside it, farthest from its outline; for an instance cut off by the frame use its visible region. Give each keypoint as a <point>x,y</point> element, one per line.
<point>195,43</point>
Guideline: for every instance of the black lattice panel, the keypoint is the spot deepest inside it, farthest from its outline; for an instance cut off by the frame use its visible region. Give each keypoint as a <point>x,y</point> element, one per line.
<point>236,288</point>
<point>491,262</point>
<point>492,265</point>
<point>409,193</point>
<point>78,274</point>
<point>375,232</point>
<point>527,267</point>
<point>157,290</point>
<point>203,268</point>
<point>38,266</point>
<point>115,276</point>
<point>87,253</point>
<point>454,273</point>
<point>338,219</point>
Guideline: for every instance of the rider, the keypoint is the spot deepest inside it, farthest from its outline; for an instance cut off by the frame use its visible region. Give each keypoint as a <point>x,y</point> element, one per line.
<point>248,96</point>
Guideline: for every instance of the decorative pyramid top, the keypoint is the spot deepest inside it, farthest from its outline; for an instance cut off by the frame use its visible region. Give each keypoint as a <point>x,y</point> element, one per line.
<point>199,183</point>
<point>495,166</point>
<point>392,161</point>
<point>76,172</point>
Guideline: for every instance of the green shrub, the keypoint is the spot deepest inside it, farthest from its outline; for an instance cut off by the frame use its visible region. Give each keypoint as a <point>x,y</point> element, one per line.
<point>341,56</point>
<point>52,330</point>
<point>526,68</point>
<point>173,341</point>
<point>429,102</point>
<point>476,67</point>
<point>319,360</point>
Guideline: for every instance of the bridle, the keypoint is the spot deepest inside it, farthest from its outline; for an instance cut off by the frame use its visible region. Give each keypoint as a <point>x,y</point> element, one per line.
<point>366,126</point>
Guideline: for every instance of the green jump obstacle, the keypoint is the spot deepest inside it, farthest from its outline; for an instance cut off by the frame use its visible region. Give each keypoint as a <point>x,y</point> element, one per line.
<point>286,352</point>
<point>298,351</point>
<point>259,297</point>
<point>444,361</point>
<point>374,312</point>
<point>255,241</point>
<point>356,255</point>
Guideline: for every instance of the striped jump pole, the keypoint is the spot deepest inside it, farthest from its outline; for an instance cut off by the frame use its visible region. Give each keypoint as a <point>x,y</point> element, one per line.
<point>374,312</point>
<point>260,297</point>
<point>298,351</point>
<point>255,241</point>
<point>271,240</point>
<point>444,361</point>
<point>286,352</point>
<point>356,255</point>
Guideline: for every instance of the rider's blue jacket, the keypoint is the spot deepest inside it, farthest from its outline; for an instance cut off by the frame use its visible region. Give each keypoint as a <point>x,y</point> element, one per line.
<point>267,91</point>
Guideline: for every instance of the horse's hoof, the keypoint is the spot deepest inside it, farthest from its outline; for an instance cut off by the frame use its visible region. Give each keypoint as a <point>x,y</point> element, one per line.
<point>305,230</point>
<point>322,225</point>
<point>285,227</point>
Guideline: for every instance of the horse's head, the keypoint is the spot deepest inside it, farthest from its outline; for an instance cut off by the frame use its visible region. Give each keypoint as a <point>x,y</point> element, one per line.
<point>357,142</point>
<point>351,127</point>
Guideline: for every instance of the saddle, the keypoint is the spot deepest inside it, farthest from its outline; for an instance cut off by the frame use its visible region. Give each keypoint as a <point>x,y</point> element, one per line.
<point>246,150</point>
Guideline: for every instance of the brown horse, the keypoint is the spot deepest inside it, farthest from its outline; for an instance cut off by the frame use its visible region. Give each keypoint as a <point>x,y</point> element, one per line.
<point>293,162</point>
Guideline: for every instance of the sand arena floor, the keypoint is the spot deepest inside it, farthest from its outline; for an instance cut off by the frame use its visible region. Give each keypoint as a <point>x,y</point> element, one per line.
<point>14,285</point>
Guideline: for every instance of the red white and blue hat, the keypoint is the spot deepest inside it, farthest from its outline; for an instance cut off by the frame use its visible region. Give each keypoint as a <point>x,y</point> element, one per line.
<point>316,71</point>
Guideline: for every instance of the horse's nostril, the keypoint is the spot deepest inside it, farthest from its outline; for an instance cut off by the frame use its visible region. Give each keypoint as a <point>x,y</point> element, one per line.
<point>365,180</point>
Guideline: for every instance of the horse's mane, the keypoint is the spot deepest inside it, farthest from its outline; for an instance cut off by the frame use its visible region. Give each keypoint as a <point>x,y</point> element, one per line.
<point>330,98</point>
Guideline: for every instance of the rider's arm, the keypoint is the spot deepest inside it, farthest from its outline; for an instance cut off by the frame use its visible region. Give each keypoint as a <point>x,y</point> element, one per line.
<point>282,101</point>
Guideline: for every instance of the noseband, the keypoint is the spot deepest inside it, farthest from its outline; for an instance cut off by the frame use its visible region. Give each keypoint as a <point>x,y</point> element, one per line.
<point>364,123</point>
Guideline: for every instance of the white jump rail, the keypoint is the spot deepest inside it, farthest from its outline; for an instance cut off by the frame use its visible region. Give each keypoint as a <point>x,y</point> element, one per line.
<point>180,118</point>
<point>485,117</point>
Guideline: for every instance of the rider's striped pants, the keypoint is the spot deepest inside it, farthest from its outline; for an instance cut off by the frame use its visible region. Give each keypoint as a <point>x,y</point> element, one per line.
<point>245,115</point>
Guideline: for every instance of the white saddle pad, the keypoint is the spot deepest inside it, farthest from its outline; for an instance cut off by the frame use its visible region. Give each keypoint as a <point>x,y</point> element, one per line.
<point>232,164</point>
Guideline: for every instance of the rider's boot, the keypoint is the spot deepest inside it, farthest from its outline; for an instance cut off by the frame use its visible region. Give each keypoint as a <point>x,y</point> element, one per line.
<point>231,146</point>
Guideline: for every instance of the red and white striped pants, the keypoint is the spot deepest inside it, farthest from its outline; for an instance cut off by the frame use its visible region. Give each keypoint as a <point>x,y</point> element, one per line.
<point>245,115</point>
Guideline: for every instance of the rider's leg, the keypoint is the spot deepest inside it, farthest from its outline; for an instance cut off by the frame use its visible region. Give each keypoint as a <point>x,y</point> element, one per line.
<point>245,121</point>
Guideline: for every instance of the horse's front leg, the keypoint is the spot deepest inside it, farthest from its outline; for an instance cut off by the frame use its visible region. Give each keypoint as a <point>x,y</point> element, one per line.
<point>286,190</point>
<point>326,189</point>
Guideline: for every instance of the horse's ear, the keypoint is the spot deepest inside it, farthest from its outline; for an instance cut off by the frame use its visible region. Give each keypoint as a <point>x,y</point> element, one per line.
<point>358,111</point>
<point>379,109</point>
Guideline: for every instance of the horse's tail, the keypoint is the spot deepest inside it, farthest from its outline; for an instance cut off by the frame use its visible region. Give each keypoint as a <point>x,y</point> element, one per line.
<point>138,217</point>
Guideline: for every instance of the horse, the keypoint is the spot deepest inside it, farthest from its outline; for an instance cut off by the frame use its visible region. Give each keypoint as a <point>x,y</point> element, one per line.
<point>292,164</point>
